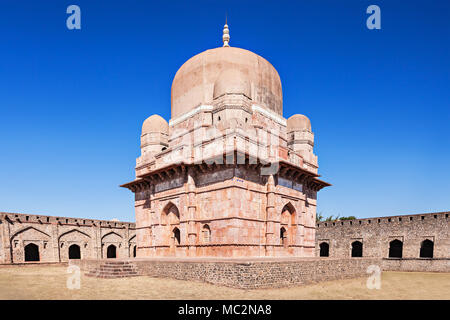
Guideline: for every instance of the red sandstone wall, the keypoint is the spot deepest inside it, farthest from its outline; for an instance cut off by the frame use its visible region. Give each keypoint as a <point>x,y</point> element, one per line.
<point>233,203</point>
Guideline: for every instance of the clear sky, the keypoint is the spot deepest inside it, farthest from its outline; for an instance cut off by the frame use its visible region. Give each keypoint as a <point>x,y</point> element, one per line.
<point>72,102</point>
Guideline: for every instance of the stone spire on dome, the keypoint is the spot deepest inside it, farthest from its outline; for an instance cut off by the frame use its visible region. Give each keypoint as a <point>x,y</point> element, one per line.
<point>226,34</point>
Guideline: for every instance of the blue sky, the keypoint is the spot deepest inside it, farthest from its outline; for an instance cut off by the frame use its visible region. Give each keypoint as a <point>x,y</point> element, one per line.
<point>72,101</point>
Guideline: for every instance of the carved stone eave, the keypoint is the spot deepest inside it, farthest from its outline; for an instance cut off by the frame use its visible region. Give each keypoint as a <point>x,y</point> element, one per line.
<point>300,175</point>
<point>285,169</point>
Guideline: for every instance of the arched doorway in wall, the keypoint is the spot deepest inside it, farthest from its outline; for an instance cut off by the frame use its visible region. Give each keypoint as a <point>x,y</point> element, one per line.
<point>176,236</point>
<point>71,243</point>
<point>287,223</point>
<point>357,249</point>
<point>395,249</point>
<point>206,234</point>
<point>115,240</point>
<point>324,249</point>
<point>170,219</point>
<point>283,237</point>
<point>31,252</point>
<point>74,252</point>
<point>134,252</point>
<point>111,252</point>
<point>426,249</point>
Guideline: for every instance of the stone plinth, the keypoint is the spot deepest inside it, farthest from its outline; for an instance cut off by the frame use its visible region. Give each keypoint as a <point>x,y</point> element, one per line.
<point>248,273</point>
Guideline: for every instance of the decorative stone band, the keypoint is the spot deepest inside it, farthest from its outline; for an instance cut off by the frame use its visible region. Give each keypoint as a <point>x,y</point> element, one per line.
<point>189,114</point>
<point>202,108</point>
<point>231,106</point>
<point>301,141</point>
<point>283,168</point>
<point>45,219</point>
<point>269,114</point>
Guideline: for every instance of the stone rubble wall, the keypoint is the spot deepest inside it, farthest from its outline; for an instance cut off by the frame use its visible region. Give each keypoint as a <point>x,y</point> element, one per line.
<point>54,236</point>
<point>416,265</point>
<point>248,274</point>
<point>376,234</point>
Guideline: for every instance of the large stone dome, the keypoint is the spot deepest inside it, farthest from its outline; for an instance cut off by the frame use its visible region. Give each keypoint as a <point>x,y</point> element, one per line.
<point>232,81</point>
<point>193,83</point>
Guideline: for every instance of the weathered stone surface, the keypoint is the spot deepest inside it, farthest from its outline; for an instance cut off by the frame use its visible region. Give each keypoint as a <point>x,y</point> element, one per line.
<point>246,274</point>
<point>376,235</point>
<point>55,236</point>
<point>231,181</point>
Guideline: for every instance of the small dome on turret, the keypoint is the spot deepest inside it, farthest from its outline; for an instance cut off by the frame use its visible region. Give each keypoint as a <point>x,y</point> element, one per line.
<point>155,123</point>
<point>298,122</point>
<point>232,81</point>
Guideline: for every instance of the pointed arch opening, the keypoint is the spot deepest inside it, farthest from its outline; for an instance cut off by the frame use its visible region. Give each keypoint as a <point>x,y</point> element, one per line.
<point>357,249</point>
<point>111,252</point>
<point>112,237</point>
<point>41,233</point>
<point>170,220</point>
<point>176,236</point>
<point>170,214</point>
<point>287,223</point>
<point>283,237</point>
<point>31,252</point>
<point>324,249</point>
<point>288,214</point>
<point>74,252</point>
<point>206,233</point>
<point>426,249</point>
<point>395,249</point>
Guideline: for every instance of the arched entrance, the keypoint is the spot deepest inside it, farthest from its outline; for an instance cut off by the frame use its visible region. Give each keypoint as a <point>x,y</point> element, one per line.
<point>206,234</point>
<point>426,249</point>
<point>324,249</point>
<point>395,249</point>
<point>283,237</point>
<point>288,227</point>
<point>74,252</point>
<point>111,252</point>
<point>170,217</point>
<point>134,252</point>
<point>357,249</point>
<point>176,236</point>
<point>31,252</point>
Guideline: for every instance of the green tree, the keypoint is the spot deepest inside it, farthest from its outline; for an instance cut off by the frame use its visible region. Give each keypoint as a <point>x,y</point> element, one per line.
<point>348,218</point>
<point>320,217</point>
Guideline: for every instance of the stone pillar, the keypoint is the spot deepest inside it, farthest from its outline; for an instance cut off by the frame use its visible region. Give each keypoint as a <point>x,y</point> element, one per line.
<point>55,242</point>
<point>192,208</point>
<point>151,221</point>
<point>270,216</point>
<point>127,242</point>
<point>98,240</point>
<point>6,241</point>
<point>301,222</point>
<point>2,258</point>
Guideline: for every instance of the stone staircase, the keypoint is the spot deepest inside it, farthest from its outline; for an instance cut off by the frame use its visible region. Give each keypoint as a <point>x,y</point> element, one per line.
<point>114,269</point>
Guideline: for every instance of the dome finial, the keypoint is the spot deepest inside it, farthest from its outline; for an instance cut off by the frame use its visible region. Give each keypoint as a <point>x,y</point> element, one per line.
<point>226,34</point>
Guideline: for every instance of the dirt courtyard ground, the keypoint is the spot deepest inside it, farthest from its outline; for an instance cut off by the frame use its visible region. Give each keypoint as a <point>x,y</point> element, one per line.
<point>50,282</point>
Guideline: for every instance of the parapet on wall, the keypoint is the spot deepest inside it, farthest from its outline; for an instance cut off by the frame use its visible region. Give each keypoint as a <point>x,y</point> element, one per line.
<point>388,237</point>
<point>26,238</point>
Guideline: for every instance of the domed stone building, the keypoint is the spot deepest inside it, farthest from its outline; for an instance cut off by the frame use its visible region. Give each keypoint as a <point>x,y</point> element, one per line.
<point>228,175</point>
